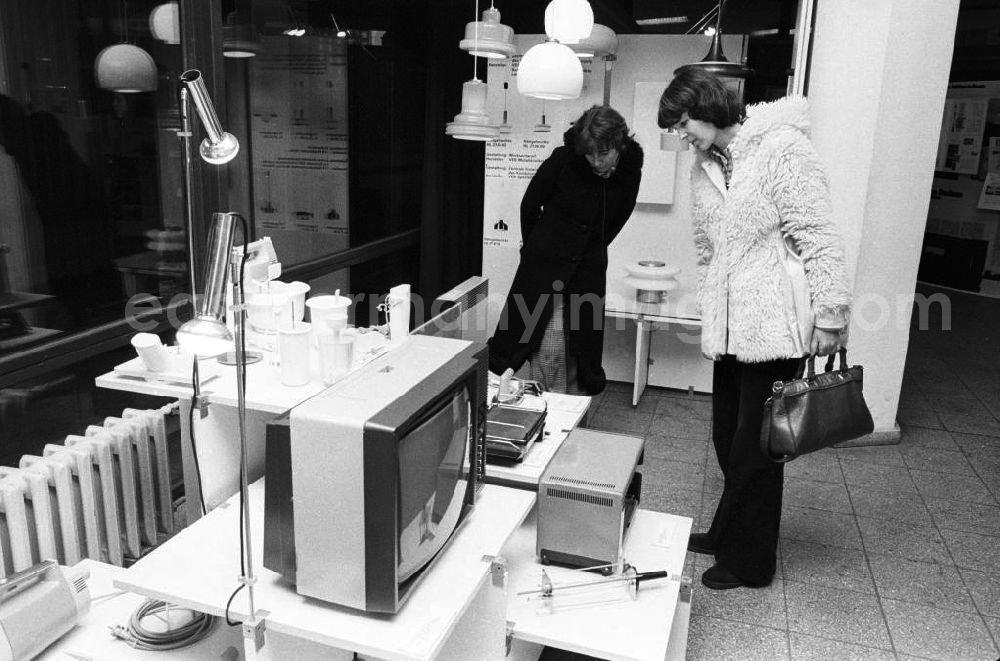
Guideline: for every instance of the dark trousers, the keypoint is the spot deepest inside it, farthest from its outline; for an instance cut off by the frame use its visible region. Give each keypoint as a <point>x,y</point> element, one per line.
<point>744,529</point>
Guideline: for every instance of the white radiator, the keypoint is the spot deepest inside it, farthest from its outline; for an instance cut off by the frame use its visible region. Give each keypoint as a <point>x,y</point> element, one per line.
<point>105,495</point>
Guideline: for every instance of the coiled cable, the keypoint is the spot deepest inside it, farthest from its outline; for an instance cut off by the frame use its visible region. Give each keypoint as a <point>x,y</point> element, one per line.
<point>139,637</point>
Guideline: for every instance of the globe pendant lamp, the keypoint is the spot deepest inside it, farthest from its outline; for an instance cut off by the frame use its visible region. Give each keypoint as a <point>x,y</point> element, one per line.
<point>473,123</point>
<point>125,67</point>
<point>488,37</point>
<point>165,23</point>
<point>568,21</point>
<point>550,70</point>
<point>602,41</point>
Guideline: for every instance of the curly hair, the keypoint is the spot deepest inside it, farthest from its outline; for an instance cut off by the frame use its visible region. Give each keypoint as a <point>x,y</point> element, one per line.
<point>598,129</point>
<point>703,96</point>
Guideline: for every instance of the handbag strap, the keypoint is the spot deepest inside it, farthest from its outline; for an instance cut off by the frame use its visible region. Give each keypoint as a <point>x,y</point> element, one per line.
<point>809,362</point>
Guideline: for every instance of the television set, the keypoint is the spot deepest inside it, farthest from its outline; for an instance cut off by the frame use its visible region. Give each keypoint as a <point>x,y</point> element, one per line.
<point>461,312</point>
<point>383,468</point>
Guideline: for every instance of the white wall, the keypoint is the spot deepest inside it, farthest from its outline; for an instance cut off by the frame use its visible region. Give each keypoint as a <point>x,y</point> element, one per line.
<point>877,87</point>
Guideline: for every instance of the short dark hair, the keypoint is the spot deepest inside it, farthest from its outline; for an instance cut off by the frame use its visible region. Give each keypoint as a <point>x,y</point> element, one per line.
<point>598,129</point>
<point>702,96</point>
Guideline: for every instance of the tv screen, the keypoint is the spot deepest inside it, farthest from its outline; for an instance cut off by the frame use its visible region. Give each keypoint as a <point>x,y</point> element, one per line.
<point>432,481</point>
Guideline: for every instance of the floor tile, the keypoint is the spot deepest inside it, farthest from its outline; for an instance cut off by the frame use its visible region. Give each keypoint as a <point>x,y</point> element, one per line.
<point>819,527</point>
<point>903,540</point>
<point>977,445</point>
<point>938,460</point>
<point>972,551</point>
<point>817,495</point>
<point>713,639</point>
<point>680,427</point>
<point>920,436</point>
<point>828,566</point>
<point>683,407</point>
<point>613,418</point>
<point>841,615</point>
<point>822,466</point>
<point>812,648</point>
<point>759,606</point>
<point>623,399</point>
<point>928,583</point>
<point>678,449</point>
<point>971,424</point>
<point>993,624</point>
<point>668,498</point>
<point>673,474</point>
<point>880,504</point>
<point>922,417</point>
<point>884,455</point>
<point>953,487</point>
<point>937,634</point>
<point>965,403</point>
<point>985,590</point>
<point>892,478</point>
<point>965,516</point>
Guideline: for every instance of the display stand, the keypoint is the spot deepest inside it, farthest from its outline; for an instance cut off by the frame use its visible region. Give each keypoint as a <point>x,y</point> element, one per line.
<point>198,569</point>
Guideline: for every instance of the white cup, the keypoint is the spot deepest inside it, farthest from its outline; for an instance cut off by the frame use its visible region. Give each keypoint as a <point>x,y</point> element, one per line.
<point>336,354</point>
<point>399,313</point>
<point>293,354</point>
<point>268,312</point>
<point>151,351</point>
<point>296,291</point>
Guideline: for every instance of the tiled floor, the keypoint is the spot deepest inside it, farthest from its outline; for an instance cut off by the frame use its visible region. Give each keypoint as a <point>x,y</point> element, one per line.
<point>888,552</point>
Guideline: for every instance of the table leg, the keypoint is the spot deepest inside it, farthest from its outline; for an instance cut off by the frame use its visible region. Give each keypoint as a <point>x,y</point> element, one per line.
<point>643,338</point>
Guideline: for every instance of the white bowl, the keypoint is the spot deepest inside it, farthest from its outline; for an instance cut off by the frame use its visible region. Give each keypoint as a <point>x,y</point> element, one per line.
<point>296,291</point>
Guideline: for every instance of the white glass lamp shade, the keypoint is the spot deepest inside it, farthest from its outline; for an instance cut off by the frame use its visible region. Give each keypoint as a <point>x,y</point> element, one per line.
<point>568,21</point>
<point>550,71</point>
<point>473,123</point>
<point>165,23</point>
<point>205,336</point>
<point>602,41</point>
<point>488,37</point>
<point>125,68</point>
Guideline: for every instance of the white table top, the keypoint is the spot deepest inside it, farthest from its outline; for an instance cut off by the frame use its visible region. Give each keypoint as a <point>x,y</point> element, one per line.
<point>564,413</point>
<point>680,306</point>
<point>602,622</point>
<point>199,569</point>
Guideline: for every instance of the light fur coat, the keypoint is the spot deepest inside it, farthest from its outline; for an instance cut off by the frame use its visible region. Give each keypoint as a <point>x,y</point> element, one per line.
<point>777,185</point>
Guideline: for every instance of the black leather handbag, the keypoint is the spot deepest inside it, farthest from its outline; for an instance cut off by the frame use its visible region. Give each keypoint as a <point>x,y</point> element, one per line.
<point>814,411</point>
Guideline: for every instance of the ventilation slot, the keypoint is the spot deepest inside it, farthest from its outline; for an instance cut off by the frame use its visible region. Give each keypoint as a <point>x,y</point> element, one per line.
<point>583,498</point>
<point>585,483</point>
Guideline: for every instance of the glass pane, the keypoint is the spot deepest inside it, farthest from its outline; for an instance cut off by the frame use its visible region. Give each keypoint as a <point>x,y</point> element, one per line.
<point>89,166</point>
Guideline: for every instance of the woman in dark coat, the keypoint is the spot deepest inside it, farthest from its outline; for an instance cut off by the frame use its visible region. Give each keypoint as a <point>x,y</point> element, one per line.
<point>577,202</point>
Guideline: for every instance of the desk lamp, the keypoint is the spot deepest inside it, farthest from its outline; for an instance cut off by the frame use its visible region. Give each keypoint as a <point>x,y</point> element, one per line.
<point>207,335</point>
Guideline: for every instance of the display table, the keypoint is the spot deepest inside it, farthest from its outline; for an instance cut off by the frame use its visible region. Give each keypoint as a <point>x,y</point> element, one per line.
<point>199,567</point>
<point>646,317</point>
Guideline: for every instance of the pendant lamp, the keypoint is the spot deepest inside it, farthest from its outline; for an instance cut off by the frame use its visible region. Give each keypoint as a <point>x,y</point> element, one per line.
<point>165,23</point>
<point>715,62</point>
<point>601,41</point>
<point>550,70</point>
<point>125,67</point>
<point>239,37</point>
<point>568,21</point>
<point>473,123</point>
<point>488,37</point>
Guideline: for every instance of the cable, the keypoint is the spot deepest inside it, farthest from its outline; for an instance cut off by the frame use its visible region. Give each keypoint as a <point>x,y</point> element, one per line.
<point>194,449</point>
<point>139,637</point>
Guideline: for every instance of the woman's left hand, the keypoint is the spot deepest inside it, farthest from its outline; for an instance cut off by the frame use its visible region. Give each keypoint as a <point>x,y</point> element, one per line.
<point>825,342</point>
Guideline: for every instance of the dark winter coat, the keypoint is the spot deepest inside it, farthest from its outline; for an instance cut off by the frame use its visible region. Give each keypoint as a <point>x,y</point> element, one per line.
<point>569,216</point>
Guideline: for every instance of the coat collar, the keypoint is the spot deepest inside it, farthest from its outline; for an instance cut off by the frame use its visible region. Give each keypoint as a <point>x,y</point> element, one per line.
<point>715,175</point>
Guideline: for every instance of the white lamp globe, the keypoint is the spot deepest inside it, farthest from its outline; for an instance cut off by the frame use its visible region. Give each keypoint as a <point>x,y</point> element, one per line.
<point>550,71</point>
<point>165,23</point>
<point>125,68</point>
<point>602,41</point>
<point>568,21</point>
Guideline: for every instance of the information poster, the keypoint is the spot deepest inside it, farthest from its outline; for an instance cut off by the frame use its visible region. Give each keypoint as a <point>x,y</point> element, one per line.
<point>299,124</point>
<point>962,135</point>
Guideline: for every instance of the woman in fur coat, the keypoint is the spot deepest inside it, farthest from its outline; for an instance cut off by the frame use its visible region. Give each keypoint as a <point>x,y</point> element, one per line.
<point>578,200</point>
<point>756,182</point>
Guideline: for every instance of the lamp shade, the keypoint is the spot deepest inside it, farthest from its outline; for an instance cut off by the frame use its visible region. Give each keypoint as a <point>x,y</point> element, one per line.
<point>602,41</point>
<point>568,21</point>
<point>473,123</point>
<point>125,68</point>
<point>550,71</point>
<point>205,336</point>
<point>239,39</point>
<point>165,22</point>
<point>488,37</point>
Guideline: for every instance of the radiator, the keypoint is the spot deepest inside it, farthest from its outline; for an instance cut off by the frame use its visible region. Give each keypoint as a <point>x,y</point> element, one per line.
<point>104,495</point>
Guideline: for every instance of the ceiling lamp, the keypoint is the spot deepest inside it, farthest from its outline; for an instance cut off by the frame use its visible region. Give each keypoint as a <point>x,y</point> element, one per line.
<point>715,62</point>
<point>473,123</point>
<point>488,37</point>
<point>125,68</point>
<point>550,70</point>
<point>568,21</point>
<point>239,38</point>
<point>165,23</point>
<point>602,41</point>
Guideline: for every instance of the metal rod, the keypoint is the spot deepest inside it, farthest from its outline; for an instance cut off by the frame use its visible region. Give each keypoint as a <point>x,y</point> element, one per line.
<point>203,104</point>
<point>185,137</point>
